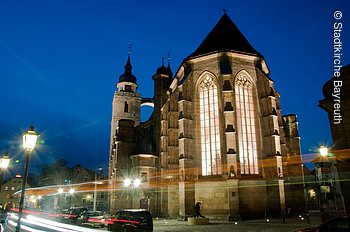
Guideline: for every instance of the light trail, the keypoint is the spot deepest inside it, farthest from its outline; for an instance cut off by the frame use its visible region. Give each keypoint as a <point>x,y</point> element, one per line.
<point>48,224</point>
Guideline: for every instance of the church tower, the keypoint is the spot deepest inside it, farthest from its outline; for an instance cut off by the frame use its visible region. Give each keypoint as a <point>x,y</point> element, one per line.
<point>125,116</point>
<point>162,80</point>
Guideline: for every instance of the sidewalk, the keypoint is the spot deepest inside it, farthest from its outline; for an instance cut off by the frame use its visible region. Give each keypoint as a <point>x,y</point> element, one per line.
<point>259,225</point>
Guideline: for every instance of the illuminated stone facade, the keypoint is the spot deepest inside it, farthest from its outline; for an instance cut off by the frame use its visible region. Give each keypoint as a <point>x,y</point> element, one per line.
<point>336,103</point>
<point>217,136</point>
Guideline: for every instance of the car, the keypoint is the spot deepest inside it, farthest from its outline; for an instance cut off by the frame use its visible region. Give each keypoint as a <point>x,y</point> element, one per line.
<point>92,218</point>
<point>131,220</point>
<point>338,224</point>
<point>71,215</point>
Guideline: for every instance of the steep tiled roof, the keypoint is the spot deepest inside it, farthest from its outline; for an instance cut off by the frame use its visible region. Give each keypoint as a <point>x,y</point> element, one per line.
<point>224,36</point>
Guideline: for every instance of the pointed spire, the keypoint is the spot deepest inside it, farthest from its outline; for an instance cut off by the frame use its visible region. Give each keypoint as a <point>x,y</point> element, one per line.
<point>169,68</point>
<point>129,49</point>
<point>168,59</point>
<point>162,69</point>
<point>127,75</point>
<point>128,66</point>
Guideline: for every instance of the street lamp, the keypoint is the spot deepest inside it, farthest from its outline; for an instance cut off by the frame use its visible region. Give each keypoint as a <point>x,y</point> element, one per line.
<point>95,188</point>
<point>29,141</point>
<point>71,193</point>
<point>127,182</point>
<point>60,190</point>
<point>305,195</point>
<point>59,198</point>
<point>137,183</point>
<point>39,201</point>
<point>4,163</point>
<point>323,151</point>
<point>132,184</point>
<point>324,173</point>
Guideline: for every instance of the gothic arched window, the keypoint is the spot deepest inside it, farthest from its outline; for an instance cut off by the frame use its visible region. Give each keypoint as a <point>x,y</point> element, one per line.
<point>209,127</point>
<point>246,132</point>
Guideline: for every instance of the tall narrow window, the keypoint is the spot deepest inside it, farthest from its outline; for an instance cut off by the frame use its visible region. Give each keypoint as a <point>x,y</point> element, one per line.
<point>246,126</point>
<point>210,133</point>
<point>126,107</point>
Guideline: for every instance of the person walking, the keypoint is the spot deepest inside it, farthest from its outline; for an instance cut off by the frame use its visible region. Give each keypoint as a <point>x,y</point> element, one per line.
<point>197,209</point>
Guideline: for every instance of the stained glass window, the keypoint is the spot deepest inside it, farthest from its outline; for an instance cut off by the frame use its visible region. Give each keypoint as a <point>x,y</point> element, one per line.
<point>246,132</point>
<point>209,121</point>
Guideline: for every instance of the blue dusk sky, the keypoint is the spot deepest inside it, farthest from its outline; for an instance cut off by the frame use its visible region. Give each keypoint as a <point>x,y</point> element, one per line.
<point>60,61</point>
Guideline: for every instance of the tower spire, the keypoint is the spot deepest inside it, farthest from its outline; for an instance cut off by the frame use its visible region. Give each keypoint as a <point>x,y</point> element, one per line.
<point>129,49</point>
<point>128,67</point>
<point>169,68</point>
<point>127,76</point>
<point>168,58</point>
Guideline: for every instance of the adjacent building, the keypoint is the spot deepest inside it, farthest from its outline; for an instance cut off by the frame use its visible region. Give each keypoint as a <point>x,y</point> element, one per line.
<point>216,136</point>
<point>336,103</point>
<point>61,187</point>
<point>7,198</point>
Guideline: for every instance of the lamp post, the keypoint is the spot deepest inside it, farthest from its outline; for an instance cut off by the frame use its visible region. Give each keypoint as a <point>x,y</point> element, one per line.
<point>59,198</point>
<point>39,201</point>
<point>305,195</point>
<point>71,193</point>
<point>4,163</point>
<point>323,166</point>
<point>29,141</point>
<point>95,188</point>
<point>88,199</point>
<point>132,184</point>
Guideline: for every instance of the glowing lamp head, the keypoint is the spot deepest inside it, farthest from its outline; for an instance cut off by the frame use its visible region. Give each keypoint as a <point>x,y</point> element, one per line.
<point>71,191</point>
<point>323,151</point>
<point>137,183</point>
<point>60,190</point>
<point>4,161</point>
<point>29,139</point>
<point>127,182</point>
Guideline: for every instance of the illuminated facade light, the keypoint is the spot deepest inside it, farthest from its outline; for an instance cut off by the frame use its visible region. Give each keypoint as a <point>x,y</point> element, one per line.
<point>137,183</point>
<point>323,151</point>
<point>127,182</point>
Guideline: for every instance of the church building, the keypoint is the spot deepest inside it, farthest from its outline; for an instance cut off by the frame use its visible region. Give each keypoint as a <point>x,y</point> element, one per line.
<point>216,136</point>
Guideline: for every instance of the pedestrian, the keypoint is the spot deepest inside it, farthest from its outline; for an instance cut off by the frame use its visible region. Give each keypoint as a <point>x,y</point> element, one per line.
<point>197,209</point>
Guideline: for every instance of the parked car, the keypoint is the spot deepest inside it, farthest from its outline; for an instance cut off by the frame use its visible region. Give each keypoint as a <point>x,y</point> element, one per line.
<point>92,218</point>
<point>71,215</point>
<point>338,224</point>
<point>131,220</point>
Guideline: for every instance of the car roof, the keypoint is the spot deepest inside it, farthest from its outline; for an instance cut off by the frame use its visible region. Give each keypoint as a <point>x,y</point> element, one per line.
<point>133,210</point>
